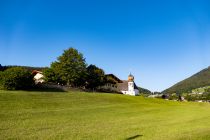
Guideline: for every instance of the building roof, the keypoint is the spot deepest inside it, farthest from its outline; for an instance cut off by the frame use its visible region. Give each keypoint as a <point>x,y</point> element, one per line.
<point>130,75</point>
<point>124,86</point>
<point>135,86</point>
<point>34,72</point>
<point>114,77</point>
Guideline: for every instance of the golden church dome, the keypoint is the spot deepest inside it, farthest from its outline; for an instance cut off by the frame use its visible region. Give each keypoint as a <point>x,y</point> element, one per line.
<point>130,78</point>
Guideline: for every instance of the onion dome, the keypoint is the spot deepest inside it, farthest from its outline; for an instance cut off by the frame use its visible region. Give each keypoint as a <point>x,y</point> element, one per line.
<point>130,78</point>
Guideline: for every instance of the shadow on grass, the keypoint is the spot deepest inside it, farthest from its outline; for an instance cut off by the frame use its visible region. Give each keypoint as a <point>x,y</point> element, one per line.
<point>46,90</point>
<point>133,137</point>
<point>53,88</point>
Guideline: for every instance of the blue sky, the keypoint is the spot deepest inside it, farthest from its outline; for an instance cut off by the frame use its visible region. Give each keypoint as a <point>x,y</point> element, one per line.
<point>160,41</point>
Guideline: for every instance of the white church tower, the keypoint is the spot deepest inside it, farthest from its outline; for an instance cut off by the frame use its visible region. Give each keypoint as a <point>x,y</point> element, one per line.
<point>132,89</point>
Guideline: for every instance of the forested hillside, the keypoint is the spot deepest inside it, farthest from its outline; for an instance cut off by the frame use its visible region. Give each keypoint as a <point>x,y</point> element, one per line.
<point>199,79</point>
<point>2,68</point>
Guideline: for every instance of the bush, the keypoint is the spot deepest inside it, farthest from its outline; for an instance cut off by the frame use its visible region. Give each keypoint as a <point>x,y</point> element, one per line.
<point>173,97</point>
<point>16,78</point>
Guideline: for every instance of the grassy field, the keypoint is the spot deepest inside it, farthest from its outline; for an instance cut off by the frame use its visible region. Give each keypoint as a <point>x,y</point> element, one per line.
<point>67,115</point>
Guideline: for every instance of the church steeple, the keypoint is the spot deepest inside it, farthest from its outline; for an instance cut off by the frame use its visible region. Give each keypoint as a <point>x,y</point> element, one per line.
<point>132,89</point>
<point>130,78</point>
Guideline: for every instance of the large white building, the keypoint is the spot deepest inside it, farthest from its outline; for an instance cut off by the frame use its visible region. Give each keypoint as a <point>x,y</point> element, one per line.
<point>127,87</point>
<point>131,88</point>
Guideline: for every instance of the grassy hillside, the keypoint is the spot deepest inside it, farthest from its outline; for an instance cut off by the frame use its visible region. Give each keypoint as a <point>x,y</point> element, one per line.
<point>62,115</point>
<point>198,80</point>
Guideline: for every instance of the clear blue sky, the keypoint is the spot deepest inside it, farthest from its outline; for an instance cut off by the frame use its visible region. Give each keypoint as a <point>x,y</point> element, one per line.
<point>160,41</point>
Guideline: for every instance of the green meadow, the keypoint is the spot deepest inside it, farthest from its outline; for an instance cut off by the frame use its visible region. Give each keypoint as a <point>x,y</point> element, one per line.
<point>78,115</point>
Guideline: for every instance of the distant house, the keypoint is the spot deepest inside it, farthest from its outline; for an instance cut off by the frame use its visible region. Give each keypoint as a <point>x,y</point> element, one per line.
<point>127,87</point>
<point>38,76</point>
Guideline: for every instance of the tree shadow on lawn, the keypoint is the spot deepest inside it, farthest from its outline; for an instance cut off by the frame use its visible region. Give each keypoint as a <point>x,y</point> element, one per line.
<point>133,137</point>
<point>45,90</point>
<point>40,88</point>
<point>55,88</point>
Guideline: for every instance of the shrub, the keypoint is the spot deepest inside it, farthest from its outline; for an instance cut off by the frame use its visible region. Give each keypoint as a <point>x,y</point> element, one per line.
<point>173,97</point>
<point>16,78</point>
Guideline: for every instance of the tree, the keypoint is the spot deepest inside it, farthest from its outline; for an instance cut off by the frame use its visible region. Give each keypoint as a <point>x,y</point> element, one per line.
<point>69,67</point>
<point>16,78</point>
<point>51,77</point>
<point>95,77</point>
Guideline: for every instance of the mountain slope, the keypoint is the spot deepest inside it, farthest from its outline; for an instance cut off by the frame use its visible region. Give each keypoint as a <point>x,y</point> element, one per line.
<point>199,79</point>
<point>144,90</point>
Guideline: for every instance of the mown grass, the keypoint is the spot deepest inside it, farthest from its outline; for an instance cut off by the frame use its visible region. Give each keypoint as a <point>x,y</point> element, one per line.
<point>78,115</point>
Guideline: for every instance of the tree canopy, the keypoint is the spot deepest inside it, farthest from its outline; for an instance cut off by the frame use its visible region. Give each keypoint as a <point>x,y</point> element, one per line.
<point>16,78</point>
<point>68,68</point>
<point>95,77</point>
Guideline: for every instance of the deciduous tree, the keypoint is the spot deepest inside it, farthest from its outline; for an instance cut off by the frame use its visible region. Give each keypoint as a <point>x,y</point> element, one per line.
<point>69,67</point>
<point>95,77</point>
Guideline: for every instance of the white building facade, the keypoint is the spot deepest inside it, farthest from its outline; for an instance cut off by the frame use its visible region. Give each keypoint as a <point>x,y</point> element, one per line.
<point>132,88</point>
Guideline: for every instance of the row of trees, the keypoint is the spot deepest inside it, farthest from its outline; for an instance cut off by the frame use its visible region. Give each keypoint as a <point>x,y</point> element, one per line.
<point>71,69</point>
